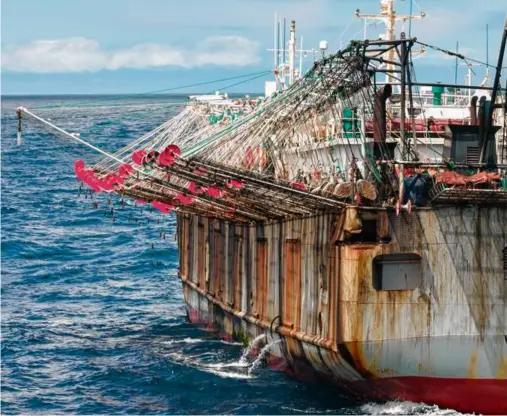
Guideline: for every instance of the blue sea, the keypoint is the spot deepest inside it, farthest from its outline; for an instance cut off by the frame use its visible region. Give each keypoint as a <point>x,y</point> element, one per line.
<point>93,319</point>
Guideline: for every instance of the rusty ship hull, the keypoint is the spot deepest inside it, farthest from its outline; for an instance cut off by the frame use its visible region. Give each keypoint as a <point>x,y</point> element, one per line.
<point>413,308</point>
<point>295,225</point>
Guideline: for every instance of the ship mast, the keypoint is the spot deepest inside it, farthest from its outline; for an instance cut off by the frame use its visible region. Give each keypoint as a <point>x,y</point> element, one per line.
<point>389,17</point>
<point>286,73</point>
<point>292,51</point>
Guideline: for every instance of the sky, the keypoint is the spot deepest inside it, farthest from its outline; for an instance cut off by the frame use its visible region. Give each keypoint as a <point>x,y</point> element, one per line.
<point>136,46</point>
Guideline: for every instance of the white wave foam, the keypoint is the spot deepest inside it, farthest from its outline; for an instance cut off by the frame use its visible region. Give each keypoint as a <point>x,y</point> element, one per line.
<point>197,340</point>
<point>237,364</point>
<point>310,410</point>
<point>262,355</point>
<point>405,408</point>
<point>183,341</point>
<point>226,374</point>
<point>241,369</point>
<point>212,368</point>
<point>230,342</point>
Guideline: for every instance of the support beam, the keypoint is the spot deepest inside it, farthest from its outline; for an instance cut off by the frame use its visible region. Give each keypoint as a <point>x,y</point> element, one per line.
<point>496,86</point>
<point>403,137</point>
<point>20,138</point>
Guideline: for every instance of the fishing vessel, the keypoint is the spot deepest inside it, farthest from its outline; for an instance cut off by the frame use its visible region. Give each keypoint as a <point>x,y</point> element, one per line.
<point>333,223</point>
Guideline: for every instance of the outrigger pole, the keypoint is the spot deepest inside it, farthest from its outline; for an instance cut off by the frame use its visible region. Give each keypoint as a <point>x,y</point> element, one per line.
<point>72,136</point>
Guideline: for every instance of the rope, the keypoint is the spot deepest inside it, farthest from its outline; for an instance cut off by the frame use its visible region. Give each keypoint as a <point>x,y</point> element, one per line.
<point>245,81</point>
<point>119,97</point>
<point>455,54</point>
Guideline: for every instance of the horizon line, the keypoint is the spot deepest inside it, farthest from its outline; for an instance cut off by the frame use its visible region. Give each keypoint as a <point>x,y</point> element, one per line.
<point>131,95</point>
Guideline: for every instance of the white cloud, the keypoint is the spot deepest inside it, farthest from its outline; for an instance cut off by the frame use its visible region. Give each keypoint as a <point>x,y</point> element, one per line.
<point>82,54</point>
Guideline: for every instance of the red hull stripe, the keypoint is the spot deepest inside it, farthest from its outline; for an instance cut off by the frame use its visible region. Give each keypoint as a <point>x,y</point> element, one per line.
<point>487,396</point>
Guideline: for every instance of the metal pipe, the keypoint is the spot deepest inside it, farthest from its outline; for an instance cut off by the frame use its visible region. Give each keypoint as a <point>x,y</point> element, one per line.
<point>456,64</point>
<point>275,63</point>
<point>385,42</point>
<point>292,51</point>
<point>74,137</point>
<point>301,59</point>
<point>434,164</point>
<point>496,86</point>
<point>20,139</point>
<point>384,61</point>
<point>402,183</point>
<point>481,118</point>
<point>487,45</point>
<point>410,18</point>
<point>380,50</point>
<point>272,184</point>
<point>379,113</point>
<point>278,44</point>
<point>283,46</point>
<point>411,102</point>
<point>473,110</point>
<point>402,100</point>
<point>466,87</point>
<point>504,136</point>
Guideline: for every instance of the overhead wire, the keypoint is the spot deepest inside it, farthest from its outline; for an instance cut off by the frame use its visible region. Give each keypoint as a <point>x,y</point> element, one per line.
<point>149,93</point>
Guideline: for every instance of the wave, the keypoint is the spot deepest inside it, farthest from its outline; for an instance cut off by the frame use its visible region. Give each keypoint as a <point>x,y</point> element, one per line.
<point>405,408</point>
<point>223,370</point>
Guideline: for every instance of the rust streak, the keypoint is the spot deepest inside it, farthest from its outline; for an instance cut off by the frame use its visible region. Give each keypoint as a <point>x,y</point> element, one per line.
<point>302,336</point>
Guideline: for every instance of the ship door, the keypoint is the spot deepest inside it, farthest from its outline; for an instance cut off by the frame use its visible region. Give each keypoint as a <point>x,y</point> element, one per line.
<point>291,311</point>
<point>201,257</point>
<point>262,278</point>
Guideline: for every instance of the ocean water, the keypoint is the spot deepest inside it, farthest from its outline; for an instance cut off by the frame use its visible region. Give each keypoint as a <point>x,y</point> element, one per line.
<point>93,320</point>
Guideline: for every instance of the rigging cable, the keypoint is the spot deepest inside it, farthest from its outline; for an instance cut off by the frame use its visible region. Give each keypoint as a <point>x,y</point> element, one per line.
<point>118,97</point>
<point>455,54</point>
